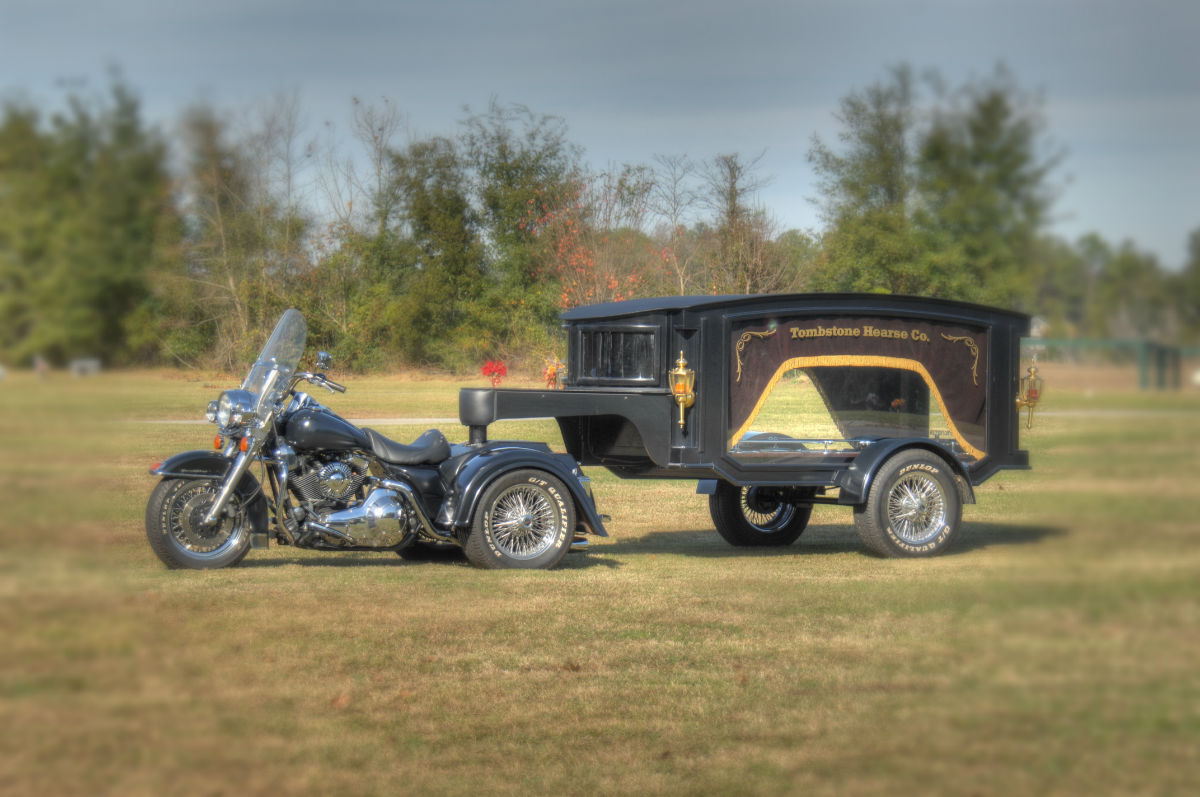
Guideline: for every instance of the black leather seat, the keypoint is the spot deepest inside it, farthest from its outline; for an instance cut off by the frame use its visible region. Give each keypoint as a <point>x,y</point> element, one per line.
<point>430,448</point>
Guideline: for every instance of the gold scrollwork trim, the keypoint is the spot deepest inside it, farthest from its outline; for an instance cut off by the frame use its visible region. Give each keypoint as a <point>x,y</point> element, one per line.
<point>972,347</point>
<point>741,345</point>
<point>862,361</point>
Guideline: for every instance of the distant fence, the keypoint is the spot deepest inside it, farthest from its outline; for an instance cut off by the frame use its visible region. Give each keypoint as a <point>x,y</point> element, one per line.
<point>1159,365</point>
<point>84,366</point>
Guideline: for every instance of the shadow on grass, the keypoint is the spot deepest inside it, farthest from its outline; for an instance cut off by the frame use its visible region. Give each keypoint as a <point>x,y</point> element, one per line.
<point>976,536</point>
<point>335,559</point>
<point>447,555</point>
<point>817,540</point>
<point>414,555</point>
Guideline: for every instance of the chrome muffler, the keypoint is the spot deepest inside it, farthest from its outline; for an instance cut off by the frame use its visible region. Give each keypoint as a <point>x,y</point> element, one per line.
<point>380,521</point>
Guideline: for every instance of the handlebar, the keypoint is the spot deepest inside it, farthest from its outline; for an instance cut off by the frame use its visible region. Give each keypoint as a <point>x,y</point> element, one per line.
<point>319,379</point>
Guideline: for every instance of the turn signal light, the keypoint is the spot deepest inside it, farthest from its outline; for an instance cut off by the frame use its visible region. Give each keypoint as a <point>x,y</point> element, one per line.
<point>217,443</point>
<point>244,444</point>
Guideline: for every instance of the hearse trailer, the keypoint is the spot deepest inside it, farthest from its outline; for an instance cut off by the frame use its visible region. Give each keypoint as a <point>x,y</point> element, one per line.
<point>772,403</point>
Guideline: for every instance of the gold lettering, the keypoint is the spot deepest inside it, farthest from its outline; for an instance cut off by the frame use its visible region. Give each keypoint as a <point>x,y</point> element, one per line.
<point>865,331</point>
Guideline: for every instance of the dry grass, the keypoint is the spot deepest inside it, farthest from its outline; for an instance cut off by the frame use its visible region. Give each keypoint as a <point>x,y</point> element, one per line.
<point>1053,652</point>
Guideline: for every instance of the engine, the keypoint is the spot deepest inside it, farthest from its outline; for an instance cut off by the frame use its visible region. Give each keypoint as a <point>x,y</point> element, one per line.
<point>338,511</point>
<point>333,481</point>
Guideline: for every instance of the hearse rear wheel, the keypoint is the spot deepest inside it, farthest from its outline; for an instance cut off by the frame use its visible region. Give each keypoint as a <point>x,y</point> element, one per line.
<point>912,509</point>
<point>744,516</point>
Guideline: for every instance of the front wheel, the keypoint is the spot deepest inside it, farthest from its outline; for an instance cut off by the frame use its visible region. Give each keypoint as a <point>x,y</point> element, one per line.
<point>913,507</point>
<point>525,520</point>
<point>180,540</point>
<point>752,516</point>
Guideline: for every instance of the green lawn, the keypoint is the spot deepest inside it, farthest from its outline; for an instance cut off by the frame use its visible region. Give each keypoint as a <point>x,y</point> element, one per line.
<point>1053,651</point>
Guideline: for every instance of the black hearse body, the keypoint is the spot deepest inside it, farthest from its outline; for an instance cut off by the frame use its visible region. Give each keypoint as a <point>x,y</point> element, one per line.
<point>901,404</point>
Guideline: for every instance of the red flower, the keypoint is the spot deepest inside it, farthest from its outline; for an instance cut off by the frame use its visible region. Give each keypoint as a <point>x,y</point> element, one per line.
<point>495,370</point>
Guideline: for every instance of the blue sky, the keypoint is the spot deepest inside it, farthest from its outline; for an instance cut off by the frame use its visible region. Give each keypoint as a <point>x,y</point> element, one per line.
<point>1121,80</point>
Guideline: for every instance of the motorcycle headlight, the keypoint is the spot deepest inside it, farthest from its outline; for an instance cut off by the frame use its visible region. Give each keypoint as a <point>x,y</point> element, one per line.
<point>235,408</point>
<point>211,412</point>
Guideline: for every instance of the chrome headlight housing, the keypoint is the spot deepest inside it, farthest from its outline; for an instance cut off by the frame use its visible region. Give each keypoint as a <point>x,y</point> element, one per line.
<point>235,408</point>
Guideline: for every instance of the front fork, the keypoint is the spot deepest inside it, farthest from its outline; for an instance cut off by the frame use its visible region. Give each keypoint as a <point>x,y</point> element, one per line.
<point>232,478</point>
<point>255,438</point>
<point>284,461</point>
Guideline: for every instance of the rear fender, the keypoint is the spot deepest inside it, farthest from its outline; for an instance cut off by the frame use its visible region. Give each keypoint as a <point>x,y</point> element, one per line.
<point>855,481</point>
<point>473,477</point>
<point>210,464</point>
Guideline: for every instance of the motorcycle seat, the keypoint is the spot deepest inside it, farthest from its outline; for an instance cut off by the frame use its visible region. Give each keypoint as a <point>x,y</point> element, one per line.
<point>430,448</point>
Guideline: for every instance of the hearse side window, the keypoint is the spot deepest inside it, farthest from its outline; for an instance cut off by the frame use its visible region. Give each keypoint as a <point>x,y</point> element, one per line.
<point>618,355</point>
<point>823,409</point>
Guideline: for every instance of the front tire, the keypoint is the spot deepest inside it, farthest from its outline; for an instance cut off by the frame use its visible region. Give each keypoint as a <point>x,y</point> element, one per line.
<point>913,507</point>
<point>525,520</point>
<point>750,517</point>
<point>176,536</point>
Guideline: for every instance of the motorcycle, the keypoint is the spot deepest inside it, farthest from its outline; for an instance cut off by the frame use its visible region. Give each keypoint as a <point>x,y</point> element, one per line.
<point>332,486</point>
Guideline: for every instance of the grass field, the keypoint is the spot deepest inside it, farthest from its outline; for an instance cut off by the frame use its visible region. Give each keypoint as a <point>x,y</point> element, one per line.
<point>1053,651</point>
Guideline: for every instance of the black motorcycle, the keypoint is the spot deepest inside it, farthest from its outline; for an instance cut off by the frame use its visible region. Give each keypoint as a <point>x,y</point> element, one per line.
<point>336,487</point>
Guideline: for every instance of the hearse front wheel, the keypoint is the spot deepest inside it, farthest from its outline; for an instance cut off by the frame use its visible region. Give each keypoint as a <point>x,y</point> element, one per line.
<point>912,509</point>
<point>750,516</point>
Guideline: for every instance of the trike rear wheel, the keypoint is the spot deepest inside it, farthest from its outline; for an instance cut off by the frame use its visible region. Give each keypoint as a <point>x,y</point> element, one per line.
<point>525,520</point>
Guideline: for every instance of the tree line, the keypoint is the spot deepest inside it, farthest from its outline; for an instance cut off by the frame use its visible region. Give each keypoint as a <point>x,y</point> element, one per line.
<point>120,241</point>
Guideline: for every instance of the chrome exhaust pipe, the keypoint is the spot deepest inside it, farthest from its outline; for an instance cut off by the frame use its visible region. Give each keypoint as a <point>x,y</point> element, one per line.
<point>415,504</point>
<point>326,531</point>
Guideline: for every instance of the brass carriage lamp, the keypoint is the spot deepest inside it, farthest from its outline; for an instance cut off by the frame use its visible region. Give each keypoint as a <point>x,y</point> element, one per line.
<point>683,384</point>
<point>1030,393</point>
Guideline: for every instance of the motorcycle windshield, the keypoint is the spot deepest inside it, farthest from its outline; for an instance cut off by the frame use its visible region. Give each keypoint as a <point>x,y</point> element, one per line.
<point>281,355</point>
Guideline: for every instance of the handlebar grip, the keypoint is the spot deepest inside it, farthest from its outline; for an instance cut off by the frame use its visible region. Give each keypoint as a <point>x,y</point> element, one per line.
<point>335,386</point>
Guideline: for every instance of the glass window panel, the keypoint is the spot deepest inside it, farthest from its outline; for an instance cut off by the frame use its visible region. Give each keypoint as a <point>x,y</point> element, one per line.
<point>618,356</point>
<point>820,410</point>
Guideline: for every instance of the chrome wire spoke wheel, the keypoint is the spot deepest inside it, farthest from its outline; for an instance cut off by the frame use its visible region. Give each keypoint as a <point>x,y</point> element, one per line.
<point>753,516</point>
<point>524,521</point>
<point>765,516</point>
<point>913,506</point>
<point>916,508</point>
<point>186,513</point>
<point>175,525</point>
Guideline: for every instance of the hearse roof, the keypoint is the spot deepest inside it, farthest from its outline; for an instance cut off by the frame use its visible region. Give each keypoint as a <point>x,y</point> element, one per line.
<point>806,301</point>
